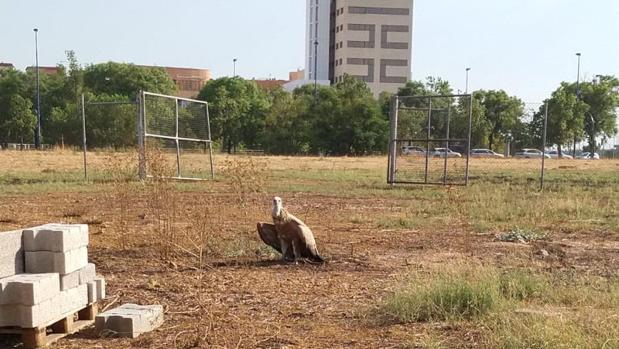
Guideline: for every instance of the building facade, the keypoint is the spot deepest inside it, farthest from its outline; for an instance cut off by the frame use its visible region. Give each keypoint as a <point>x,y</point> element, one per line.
<point>367,39</point>
<point>189,81</point>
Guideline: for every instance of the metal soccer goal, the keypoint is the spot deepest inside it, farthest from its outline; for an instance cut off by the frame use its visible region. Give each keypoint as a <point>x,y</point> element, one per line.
<point>430,139</point>
<point>179,129</point>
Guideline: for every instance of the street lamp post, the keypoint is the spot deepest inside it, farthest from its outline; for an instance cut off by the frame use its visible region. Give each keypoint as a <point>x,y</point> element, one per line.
<point>467,80</point>
<point>315,68</point>
<point>37,136</point>
<point>234,68</point>
<point>578,54</point>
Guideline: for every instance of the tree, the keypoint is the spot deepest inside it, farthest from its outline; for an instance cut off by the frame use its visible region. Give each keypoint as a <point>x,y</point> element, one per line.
<point>286,131</point>
<point>238,108</point>
<point>17,120</point>
<point>602,99</point>
<point>126,79</point>
<point>565,117</point>
<point>364,129</point>
<point>502,113</point>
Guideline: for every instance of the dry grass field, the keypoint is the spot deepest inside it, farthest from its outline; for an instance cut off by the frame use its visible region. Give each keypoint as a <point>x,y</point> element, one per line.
<point>408,267</point>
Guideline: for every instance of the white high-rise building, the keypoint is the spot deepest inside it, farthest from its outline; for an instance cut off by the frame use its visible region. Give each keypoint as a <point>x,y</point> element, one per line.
<point>317,36</point>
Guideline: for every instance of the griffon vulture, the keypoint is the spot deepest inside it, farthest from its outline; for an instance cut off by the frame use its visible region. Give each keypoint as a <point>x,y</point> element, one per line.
<point>289,235</point>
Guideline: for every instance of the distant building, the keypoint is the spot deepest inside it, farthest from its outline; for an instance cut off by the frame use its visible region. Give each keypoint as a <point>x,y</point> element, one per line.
<point>189,81</point>
<point>367,39</point>
<point>6,66</point>
<point>270,84</point>
<point>44,70</point>
<point>296,75</point>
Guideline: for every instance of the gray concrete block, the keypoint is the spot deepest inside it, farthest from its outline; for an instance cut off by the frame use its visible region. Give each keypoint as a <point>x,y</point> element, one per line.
<point>69,281</point>
<point>56,237</point>
<point>44,313</point>
<point>130,320</point>
<point>78,277</point>
<point>29,289</point>
<point>56,262</point>
<point>73,299</point>
<point>87,273</point>
<point>100,282</point>
<point>11,253</point>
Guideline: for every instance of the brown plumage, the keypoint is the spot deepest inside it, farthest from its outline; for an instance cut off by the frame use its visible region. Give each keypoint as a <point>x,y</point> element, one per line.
<point>289,235</point>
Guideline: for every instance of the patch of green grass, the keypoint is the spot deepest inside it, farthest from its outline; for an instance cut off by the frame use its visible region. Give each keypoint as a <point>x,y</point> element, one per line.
<point>448,295</point>
<point>513,308</point>
<point>522,285</point>
<point>551,330</point>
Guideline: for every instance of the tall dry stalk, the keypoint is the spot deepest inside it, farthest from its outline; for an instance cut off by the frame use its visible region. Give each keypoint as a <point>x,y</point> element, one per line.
<point>161,202</point>
<point>246,177</point>
<point>120,169</point>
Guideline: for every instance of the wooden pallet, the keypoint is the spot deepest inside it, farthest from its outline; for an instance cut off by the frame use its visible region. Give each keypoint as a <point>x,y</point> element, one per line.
<point>42,336</point>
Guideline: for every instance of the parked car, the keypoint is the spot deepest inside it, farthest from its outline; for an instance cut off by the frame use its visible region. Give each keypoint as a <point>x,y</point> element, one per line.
<point>587,156</point>
<point>530,154</point>
<point>554,154</point>
<point>485,153</point>
<point>446,152</point>
<point>413,150</point>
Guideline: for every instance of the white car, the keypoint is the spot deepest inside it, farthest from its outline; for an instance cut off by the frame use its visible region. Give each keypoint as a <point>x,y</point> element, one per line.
<point>485,153</point>
<point>530,154</point>
<point>413,150</point>
<point>445,152</point>
<point>554,154</point>
<point>587,156</point>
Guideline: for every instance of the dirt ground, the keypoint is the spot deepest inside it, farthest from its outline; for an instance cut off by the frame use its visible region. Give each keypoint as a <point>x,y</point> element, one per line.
<point>242,297</point>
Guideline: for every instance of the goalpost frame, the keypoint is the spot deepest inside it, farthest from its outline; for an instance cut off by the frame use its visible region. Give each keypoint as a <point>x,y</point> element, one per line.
<point>394,139</point>
<point>143,134</point>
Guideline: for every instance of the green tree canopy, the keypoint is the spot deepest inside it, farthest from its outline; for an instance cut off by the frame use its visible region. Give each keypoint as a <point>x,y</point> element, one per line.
<point>602,99</point>
<point>238,108</point>
<point>502,113</point>
<point>126,79</point>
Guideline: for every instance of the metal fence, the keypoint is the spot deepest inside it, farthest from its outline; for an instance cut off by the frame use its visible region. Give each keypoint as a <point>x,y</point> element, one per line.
<point>179,126</point>
<point>107,123</point>
<point>429,140</point>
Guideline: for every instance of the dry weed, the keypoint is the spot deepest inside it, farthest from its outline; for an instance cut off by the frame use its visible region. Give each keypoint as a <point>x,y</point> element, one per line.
<point>121,170</point>
<point>246,177</point>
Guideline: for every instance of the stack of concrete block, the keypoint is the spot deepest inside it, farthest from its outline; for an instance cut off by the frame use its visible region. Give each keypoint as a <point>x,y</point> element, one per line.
<point>56,248</point>
<point>59,280</point>
<point>129,320</point>
<point>11,253</point>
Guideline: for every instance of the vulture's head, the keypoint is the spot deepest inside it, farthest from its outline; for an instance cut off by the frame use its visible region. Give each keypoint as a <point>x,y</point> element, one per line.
<point>277,206</point>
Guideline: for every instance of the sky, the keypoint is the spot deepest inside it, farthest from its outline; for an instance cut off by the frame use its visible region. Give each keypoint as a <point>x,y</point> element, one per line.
<point>526,47</point>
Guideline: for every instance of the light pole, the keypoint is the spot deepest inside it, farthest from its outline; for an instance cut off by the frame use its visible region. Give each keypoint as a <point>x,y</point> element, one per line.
<point>467,81</point>
<point>315,67</point>
<point>234,68</point>
<point>37,136</point>
<point>578,54</point>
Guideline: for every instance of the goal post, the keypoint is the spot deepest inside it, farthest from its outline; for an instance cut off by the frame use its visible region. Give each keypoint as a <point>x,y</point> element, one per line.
<point>180,128</point>
<point>430,139</point>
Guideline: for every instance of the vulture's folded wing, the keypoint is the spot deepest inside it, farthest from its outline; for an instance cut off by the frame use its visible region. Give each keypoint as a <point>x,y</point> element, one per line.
<point>269,236</point>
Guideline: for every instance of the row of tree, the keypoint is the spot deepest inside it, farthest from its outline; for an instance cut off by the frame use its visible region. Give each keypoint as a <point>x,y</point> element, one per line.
<point>343,119</point>
<point>61,102</point>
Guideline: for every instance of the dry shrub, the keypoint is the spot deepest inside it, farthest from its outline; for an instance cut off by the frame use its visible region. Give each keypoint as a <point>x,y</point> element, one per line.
<point>246,177</point>
<point>161,202</point>
<point>121,170</point>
